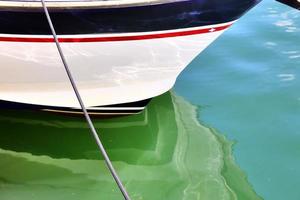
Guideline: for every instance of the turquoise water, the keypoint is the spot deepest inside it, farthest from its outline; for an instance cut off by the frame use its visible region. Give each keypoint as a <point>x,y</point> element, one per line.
<point>246,85</point>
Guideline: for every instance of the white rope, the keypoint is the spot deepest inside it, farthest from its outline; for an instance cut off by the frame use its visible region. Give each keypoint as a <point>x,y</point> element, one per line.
<point>87,117</point>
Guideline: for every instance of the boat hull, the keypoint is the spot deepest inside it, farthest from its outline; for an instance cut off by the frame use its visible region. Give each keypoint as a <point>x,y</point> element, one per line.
<point>116,63</point>
<point>110,72</point>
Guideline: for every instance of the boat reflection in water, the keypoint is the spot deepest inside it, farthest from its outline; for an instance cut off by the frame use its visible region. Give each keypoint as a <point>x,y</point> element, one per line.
<point>162,153</point>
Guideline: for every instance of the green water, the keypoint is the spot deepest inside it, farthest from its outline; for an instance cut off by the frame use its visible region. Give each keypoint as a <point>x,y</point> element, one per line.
<point>162,153</point>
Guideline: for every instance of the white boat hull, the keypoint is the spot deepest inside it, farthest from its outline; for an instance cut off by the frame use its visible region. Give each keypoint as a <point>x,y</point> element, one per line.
<point>107,72</point>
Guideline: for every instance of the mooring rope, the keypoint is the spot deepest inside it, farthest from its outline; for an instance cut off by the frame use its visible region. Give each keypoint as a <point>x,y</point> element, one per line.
<point>87,117</point>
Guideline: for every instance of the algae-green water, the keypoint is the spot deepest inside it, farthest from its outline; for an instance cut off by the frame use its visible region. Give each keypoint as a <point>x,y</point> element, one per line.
<point>229,130</point>
<point>162,153</point>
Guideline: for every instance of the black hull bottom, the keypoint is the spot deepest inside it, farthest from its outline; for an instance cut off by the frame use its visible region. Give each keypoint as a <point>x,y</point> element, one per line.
<point>105,111</point>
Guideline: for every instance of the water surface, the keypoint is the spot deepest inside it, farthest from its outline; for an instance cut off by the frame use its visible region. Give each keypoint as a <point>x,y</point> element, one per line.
<point>247,86</point>
<point>162,153</point>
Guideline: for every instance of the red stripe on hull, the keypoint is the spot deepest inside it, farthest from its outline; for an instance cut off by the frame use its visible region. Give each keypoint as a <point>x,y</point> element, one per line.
<point>117,38</point>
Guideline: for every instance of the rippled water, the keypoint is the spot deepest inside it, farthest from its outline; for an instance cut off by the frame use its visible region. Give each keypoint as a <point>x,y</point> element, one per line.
<point>247,87</point>
<point>244,86</point>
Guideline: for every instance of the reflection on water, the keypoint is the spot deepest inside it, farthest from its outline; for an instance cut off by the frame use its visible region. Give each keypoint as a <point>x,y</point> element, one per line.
<point>162,153</point>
